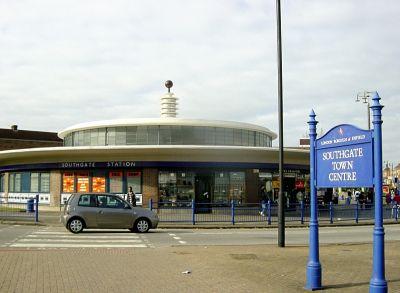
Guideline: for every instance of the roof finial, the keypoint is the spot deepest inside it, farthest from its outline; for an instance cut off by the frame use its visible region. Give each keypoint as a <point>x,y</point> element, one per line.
<point>169,85</point>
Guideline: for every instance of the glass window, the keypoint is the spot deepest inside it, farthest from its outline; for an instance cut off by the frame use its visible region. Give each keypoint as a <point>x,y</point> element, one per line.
<point>87,200</point>
<point>45,182</point>
<point>176,135</point>
<point>68,182</point>
<point>237,186</point>
<point>82,182</point>
<point>120,136</point>
<point>198,135</point>
<point>209,135</point>
<point>237,137</point>
<point>131,135</point>
<point>102,136</point>
<point>99,184</point>
<point>17,182</point>
<point>134,179</point>
<point>11,182</point>
<point>34,182</point>
<point>152,135</point>
<point>111,136</point>
<point>228,136</point>
<point>115,182</point>
<point>106,201</point>
<point>94,137</point>
<point>141,135</point>
<point>2,183</point>
<point>68,140</point>
<point>165,135</point>
<point>221,187</point>
<point>25,182</point>
<point>86,137</point>
<point>220,136</point>
<point>187,135</point>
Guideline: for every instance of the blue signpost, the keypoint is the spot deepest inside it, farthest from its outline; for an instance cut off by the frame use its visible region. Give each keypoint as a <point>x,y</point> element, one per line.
<point>347,156</point>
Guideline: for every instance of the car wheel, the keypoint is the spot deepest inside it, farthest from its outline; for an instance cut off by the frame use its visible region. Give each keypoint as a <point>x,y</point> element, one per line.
<point>75,225</point>
<point>142,225</point>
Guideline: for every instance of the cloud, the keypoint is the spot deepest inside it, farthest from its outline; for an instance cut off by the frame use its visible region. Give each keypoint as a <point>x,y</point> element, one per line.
<point>65,62</point>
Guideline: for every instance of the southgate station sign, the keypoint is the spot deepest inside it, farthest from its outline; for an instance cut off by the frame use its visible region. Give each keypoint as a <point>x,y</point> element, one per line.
<point>344,158</point>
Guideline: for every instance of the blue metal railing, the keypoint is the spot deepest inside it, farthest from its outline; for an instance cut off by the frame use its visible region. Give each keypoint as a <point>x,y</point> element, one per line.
<point>192,212</point>
<point>28,210</point>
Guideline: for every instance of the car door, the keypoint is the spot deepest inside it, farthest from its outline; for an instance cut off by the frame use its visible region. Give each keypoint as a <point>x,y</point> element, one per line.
<point>87,209</point>
<point>113,212</point>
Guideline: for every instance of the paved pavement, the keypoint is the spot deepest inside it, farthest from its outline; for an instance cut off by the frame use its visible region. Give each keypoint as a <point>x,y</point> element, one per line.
<point>250,268</point>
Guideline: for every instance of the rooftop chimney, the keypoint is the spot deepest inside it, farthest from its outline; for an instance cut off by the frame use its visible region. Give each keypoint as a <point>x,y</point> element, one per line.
<point>14,128</point>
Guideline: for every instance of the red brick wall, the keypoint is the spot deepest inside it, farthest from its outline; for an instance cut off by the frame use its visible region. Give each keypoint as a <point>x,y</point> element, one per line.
<point>150,186</point>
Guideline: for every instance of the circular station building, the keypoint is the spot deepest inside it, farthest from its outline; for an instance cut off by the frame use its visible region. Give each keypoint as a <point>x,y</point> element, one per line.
<point>165,159</point>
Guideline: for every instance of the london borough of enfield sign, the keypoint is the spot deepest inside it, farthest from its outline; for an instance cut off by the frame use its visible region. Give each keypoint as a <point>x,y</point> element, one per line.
<point>344,157</point>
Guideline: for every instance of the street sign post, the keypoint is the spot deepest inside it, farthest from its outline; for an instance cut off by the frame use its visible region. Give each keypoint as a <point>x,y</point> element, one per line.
<point>347,156</point>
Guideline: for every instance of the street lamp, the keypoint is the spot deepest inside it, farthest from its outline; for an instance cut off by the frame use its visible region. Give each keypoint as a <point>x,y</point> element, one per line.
<point>281,199</point>
<point>365,96</point>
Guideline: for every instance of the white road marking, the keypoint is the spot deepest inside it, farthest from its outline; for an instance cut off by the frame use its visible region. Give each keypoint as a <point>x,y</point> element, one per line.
<point>85,236</point>
<point>80,240</point>
<point>182,242</point>
<point>177,238</point>
<point>75,245</point>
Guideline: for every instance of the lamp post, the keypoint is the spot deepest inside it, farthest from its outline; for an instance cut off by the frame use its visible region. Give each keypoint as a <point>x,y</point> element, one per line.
<point>281,201</point>
<point>365,96</point>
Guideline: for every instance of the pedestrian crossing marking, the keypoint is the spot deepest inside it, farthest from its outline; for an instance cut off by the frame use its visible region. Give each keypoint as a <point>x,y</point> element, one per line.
<point>71,245</point>
<point>46,238</point>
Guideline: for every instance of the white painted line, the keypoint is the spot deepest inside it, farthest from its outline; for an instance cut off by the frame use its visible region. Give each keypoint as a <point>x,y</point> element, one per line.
<point>177,238</point>
<point>76,245</point>
<point>182,242</point>
<point>50,232</point>
<point>84,236</point>
<point>170,234</point>
<point>80,240</point>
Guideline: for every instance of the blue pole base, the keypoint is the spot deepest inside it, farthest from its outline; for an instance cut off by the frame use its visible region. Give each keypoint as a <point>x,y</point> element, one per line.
<point>314,279</point>
<point>378,286</point>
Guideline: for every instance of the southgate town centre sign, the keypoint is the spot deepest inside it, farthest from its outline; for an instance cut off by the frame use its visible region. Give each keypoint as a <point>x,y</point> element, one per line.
<point>347,156</point>
<point>344,158</point>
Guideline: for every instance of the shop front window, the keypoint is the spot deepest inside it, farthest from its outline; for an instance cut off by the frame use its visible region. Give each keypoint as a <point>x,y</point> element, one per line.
<point>116,182</point>
<point>221,187</point>
<point>68,182</point>
<point>82,181</point>
<point>134,179</point>
<point>99,184</point>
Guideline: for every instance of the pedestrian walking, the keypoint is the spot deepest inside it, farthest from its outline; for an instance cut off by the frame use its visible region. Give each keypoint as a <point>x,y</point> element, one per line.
<point>264,201</point>
<point>131,196</point>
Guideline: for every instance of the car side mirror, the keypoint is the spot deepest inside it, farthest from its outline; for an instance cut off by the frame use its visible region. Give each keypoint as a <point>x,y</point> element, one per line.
<point>127,207</point>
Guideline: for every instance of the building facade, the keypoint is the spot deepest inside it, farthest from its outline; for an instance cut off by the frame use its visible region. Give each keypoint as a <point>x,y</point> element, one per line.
<point>166,159</point>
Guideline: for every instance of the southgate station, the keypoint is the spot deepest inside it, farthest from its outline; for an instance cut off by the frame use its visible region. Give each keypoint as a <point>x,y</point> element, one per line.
<point>164,159</point>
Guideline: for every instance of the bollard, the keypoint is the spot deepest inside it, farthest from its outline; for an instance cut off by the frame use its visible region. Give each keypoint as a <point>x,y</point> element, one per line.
<point>151,204</point>
<point>396,211</point>
<point>357,211</point>
<point>233,211</point>
<point>302,212</point>
<point>193,210</point>
<point>331,212</point>
<point>37,209</point>
<point>269,212</point>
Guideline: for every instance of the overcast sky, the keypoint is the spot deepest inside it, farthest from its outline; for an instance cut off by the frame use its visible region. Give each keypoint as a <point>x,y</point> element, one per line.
<point>67,62</point>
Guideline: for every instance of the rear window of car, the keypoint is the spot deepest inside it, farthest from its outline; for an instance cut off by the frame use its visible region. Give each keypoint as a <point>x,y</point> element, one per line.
<point>87,200</point>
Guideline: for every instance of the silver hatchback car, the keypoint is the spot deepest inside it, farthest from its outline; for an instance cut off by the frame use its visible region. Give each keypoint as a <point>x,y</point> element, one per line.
<point>105,211</point>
